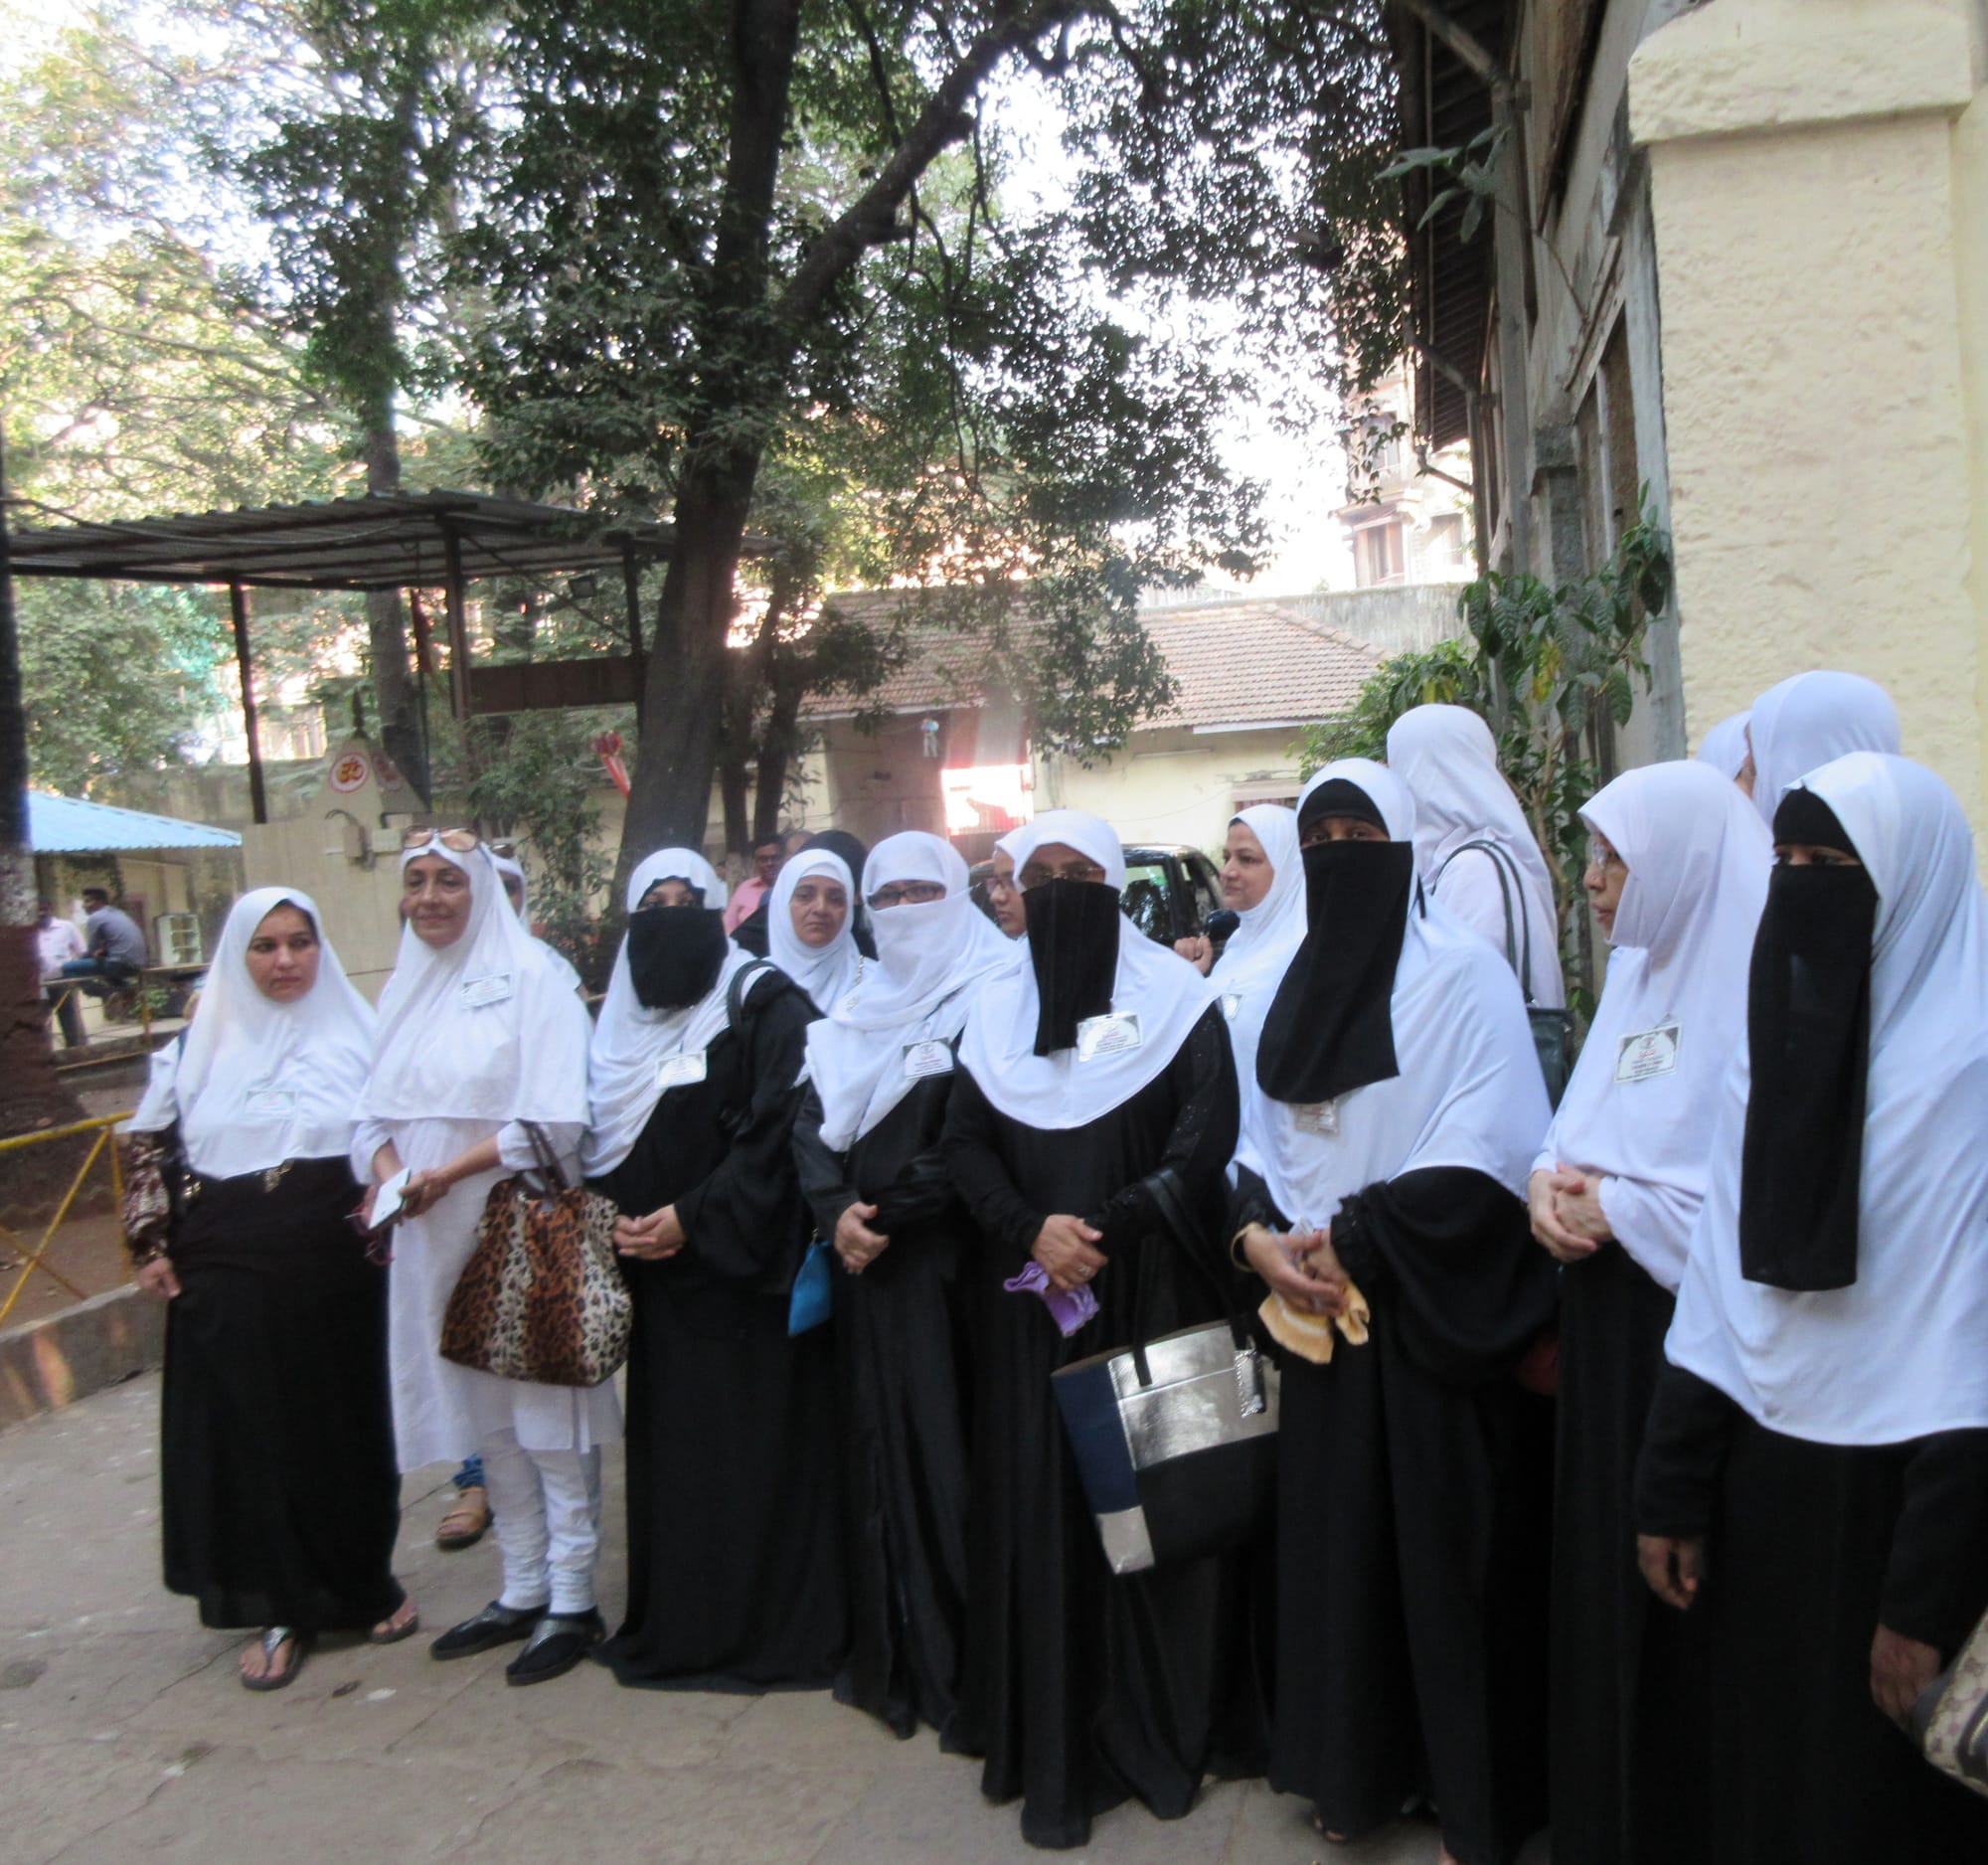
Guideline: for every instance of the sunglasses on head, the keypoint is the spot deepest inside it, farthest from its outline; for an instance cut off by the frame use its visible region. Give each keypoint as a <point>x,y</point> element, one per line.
<point>461,841</point>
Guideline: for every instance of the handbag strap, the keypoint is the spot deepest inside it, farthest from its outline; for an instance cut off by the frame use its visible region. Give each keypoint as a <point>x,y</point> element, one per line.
<point>742,981</point>
<point>548,1158</point>
<point>1169,1196</point>
<point>1520,961</point>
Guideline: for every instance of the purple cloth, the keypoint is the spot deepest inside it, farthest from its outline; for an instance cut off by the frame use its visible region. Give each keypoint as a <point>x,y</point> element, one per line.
<point>1069,1309</point>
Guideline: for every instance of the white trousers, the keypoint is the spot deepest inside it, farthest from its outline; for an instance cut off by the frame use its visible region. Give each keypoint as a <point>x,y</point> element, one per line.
<point>546,1505</point>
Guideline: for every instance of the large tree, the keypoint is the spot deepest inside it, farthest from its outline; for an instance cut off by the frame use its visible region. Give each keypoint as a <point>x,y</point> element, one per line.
<point>713,227</point>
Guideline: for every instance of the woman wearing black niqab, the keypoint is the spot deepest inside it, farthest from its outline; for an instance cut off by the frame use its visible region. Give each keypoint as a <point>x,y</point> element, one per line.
<point>1397,1107</point>
<point>1814,1476</point>
<point>735,1555</point>
<point>1095,1067</point>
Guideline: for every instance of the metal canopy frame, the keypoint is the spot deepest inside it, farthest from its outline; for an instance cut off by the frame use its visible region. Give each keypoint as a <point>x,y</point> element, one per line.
<point>407,541</point>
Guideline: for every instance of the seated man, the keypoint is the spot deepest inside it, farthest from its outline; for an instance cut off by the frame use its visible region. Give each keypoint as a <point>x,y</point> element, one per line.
<point>57,941</point>
<point>116,946</point>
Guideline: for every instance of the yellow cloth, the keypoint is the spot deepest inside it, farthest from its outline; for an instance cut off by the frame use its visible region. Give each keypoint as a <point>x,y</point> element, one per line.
<point>1310,1336</point>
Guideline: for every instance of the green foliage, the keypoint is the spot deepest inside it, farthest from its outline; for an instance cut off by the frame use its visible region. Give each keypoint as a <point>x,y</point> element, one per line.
<point>537,778</point>
<point>1449,674</point>
<point>117,676</point>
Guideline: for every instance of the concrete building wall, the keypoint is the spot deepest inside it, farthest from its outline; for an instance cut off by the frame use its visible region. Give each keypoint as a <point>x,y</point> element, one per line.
<point>1176,786</point>
<point>1819,175</point>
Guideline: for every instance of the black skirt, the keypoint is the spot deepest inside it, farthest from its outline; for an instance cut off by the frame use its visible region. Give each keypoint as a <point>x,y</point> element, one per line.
<point>1805,1769</point>
<point>1630,1754</point>
<point>280,1494</point>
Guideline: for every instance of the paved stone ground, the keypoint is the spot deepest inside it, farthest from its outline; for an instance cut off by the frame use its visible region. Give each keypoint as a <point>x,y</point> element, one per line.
<point>126,1736</point>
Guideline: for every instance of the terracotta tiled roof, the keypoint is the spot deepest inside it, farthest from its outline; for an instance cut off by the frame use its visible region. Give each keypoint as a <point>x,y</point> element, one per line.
<point>1235,663</point>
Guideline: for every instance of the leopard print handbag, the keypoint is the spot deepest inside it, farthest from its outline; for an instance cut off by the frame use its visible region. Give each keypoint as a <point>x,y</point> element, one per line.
<point>540,1298</point>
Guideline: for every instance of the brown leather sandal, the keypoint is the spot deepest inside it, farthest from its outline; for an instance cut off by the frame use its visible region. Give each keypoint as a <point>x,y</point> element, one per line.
<point>464,1525</point>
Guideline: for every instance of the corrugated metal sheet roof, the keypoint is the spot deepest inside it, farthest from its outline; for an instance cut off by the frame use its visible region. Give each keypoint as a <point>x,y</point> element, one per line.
<point>67,825</point>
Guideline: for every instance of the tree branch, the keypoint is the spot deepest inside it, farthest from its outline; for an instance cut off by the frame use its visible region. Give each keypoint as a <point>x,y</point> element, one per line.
<point>871,219</point>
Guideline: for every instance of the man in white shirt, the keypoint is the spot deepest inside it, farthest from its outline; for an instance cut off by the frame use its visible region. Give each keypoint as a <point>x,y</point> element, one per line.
<point>57,941</point>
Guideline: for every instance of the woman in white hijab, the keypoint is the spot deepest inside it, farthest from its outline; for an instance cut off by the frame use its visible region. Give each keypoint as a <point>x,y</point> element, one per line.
<point>1267,895</point>
<point>280,1495</point>
<point>1723,748</point>
<point>1397,1105</point>
<point>1004,898</point>
<point>810,925</point>
<point>696,1069</point>
<point>1814,1479</point>
<point>480,1040</point>
<point>1476,852</point>
<point>1095,1096</point>
<point>1677,880</point>
<point>866,1143</point>
<point>516,889</point>
<point>1804,722</point>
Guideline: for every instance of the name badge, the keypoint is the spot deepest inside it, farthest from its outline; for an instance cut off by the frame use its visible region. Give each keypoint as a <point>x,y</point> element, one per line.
<point>1320,1117</point>
<point>272,1104</point>
<point>1232,1002</point>
<point>1647,1053</point>
<point>494,989</point>
<point>1108,1035</point>
<point>679,1070</point>
<point>930,1057</point>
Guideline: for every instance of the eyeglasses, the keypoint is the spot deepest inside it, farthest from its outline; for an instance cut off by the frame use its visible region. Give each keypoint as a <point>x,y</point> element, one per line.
<point>906,894</point>
<point>1038,875</point>
<point>379,1244</point>
<point>461,841</point>
<point>1600,855</point>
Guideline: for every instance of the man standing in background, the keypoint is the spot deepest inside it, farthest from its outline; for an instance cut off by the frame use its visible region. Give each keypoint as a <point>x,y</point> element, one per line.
<point>766,859</point>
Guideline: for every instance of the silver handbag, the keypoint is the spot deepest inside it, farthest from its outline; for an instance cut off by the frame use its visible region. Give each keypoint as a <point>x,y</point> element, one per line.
<point>1951,1719</point>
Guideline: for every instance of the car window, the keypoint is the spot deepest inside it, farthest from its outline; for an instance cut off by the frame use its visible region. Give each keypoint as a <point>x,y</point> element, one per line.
<point>1205,885</point>
<point>1145,900</point>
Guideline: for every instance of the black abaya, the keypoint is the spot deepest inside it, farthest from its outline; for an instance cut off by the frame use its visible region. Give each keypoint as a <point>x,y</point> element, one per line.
<point>1414,1503</point>
<point>1630,1754</point>
<point>902,1368</point>
<point>281,1497</point>
<point>1080,1689</point>
<point>735,1570</point>
<point>1810,1548</point>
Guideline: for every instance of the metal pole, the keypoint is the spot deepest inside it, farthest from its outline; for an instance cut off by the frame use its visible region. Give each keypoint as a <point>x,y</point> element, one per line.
<point>459,627</point>
<point>259,798</point>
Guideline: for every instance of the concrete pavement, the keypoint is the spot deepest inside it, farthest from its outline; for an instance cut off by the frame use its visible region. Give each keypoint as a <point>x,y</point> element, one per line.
<point>125,1735</point>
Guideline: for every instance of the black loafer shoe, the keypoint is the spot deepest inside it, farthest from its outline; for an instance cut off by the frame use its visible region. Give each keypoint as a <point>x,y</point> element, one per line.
<point>495,1625</point>
<point>557,1642</point>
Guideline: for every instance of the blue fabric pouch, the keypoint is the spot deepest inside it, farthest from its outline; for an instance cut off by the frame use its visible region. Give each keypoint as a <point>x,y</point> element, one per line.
<point>808,1307</point>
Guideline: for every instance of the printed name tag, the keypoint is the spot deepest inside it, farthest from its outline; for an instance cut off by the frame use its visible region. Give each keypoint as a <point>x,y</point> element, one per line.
<point>1647,1053</point>
<point>1317,1116</point>
<point>928,1058</point>
<point>1232,1002</point>
<point>494,989</point>
<point>1109,1035</point>
<point>679,1070</point>
<point>272,1104</point>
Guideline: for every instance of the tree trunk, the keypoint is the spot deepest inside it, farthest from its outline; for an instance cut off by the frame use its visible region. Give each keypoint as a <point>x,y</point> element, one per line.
<point>393,691</point>
<point>31,1094</point>
<point>777,746</point>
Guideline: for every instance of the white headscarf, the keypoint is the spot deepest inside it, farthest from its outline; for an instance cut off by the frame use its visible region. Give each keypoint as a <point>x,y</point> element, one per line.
<point>928,958</point>
<point>1165,992</point>
<point>260,1082</point>
<point>512,866</point>
<point>1643,1114</point>
<point>1446,757</point>
<point>1899,1353</point>
<point>1469,1092</point>
<point>1252,963</point>
<point>1805,722</point>
<point>825,972</point>
<point>480,1030</point>
<point>633,1042</point>
<point>1723,748</point>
